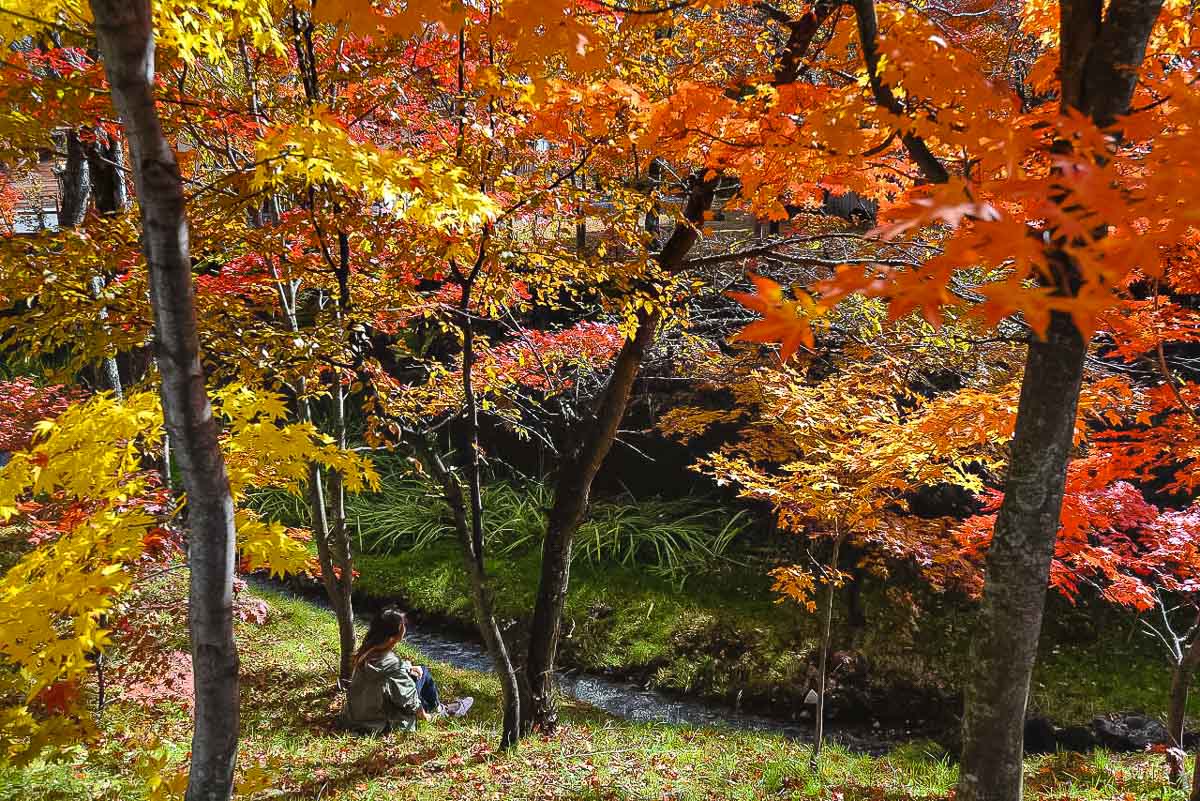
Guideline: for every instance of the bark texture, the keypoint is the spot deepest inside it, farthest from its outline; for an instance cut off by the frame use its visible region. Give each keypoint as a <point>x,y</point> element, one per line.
<point>579,469</point>
<point>1018,567</point>
<point>106,166</point>
<point>1100,53</point>
<point>1181,680</point>
<point>75,182</point>
<point>125,33</point>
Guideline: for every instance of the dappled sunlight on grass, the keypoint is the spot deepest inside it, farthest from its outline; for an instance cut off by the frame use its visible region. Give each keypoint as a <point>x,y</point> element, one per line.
<point>290,702</point>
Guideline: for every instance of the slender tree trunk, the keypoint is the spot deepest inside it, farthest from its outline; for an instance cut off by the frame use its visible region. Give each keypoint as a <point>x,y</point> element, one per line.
<point>471,532</point>
<point>339,545</point>
<point>578,471</point>
<point>76,184</point>
<point>124,29</point>
<point>481,594</point>
<point>1101,49</point>
<point>1181,679</point>
<point>826,636</point>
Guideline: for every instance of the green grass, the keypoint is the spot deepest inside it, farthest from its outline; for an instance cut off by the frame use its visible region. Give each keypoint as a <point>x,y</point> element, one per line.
<point>289,703</point>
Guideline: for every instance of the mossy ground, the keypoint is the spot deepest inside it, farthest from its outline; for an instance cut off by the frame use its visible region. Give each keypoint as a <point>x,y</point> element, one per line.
<point>289,701</point>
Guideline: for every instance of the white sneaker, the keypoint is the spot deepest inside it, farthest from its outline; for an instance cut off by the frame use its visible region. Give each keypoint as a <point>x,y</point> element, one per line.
<point>459,708</point>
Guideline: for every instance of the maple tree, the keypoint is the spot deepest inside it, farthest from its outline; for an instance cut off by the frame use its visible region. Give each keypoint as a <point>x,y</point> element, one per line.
<point>375,201</point>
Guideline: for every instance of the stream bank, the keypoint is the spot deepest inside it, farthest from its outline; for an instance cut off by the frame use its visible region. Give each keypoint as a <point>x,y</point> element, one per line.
<point>863,717</point>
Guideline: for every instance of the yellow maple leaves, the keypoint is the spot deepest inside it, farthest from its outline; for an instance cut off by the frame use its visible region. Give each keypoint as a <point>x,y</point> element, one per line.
<point>53,600</point>
<point>319,150</point>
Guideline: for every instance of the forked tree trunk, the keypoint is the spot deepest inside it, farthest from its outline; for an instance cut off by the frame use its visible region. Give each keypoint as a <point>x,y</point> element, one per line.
<point>1099,55</point>
<point>578,471</point>
<point>77,190</point>
<point>124,29</point>
<point>106,165</point>
<point>105,162</point>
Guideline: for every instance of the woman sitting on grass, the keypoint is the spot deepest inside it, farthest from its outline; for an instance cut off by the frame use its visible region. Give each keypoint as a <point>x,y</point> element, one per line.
<point>387,694</point>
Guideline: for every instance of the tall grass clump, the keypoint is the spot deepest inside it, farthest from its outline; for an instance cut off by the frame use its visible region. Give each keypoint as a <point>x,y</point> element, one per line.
<point>671,538</point>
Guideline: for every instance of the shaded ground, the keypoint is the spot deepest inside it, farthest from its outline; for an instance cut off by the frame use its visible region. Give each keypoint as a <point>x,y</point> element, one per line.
<point>289,701</point>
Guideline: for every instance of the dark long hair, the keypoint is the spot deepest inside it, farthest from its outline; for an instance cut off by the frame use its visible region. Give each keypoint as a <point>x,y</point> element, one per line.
<point>389,624</point>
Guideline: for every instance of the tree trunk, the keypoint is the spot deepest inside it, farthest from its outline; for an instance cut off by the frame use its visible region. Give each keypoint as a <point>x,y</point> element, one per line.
<point>124,29</point>
<point>826,636</point>
<point>1097,53</point>
<point>1018,566</point>
<point>472,535</point>
<point>106,165</point>
<point>76,184</point>
<point>481,594</point>
<point>339,546</point>
<point>1181,679</point>
<point>579,470</point>
<point>77,188</point>
<point>106,161</point>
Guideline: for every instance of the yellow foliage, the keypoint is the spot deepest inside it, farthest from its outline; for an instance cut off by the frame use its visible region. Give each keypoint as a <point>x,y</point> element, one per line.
<point>320,151</point>
<point>193,29</point>
<point>53,601</point>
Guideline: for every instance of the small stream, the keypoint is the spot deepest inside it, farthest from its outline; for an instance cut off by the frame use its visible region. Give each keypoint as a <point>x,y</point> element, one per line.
<point>629,701</point>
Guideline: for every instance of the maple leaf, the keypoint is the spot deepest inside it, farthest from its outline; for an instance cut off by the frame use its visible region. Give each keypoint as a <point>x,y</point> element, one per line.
<point>784,321</point>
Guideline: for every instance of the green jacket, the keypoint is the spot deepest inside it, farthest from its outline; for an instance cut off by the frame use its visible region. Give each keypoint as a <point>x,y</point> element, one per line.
<point>383,696</point>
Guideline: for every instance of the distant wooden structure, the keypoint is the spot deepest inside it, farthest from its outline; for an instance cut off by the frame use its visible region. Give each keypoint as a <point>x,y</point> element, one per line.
<point>35,197</point>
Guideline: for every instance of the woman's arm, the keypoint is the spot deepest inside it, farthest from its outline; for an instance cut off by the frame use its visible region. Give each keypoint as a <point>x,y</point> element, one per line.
<point>400,689</point>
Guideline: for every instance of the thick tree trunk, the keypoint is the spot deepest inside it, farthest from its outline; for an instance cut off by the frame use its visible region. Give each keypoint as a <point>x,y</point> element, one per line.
<point>1018,567</point>
<point>579,470</point>
<point>106,165</point>
<point>77,189</point>
<point>124,29</point>
<point>1099,55</point>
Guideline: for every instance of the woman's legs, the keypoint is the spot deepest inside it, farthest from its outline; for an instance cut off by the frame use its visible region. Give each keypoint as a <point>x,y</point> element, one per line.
<point>428,692</point>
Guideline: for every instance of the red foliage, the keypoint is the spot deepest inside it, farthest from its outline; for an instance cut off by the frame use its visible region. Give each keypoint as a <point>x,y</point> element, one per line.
<point>23,403</point>
<point>535,357</point>
<point>59,698</point>
<point>1110,539</point>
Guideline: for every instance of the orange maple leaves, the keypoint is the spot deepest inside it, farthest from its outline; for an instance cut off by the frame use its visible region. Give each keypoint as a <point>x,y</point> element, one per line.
<point>783,320</point>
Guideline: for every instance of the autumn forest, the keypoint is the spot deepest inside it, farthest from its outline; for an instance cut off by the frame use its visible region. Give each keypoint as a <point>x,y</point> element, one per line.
<point>599,400</point>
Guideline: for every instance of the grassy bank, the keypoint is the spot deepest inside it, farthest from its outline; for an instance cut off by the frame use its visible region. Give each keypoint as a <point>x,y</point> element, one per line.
<point>724,631</point>
<point>665,594</point>
<point>289,703</point>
